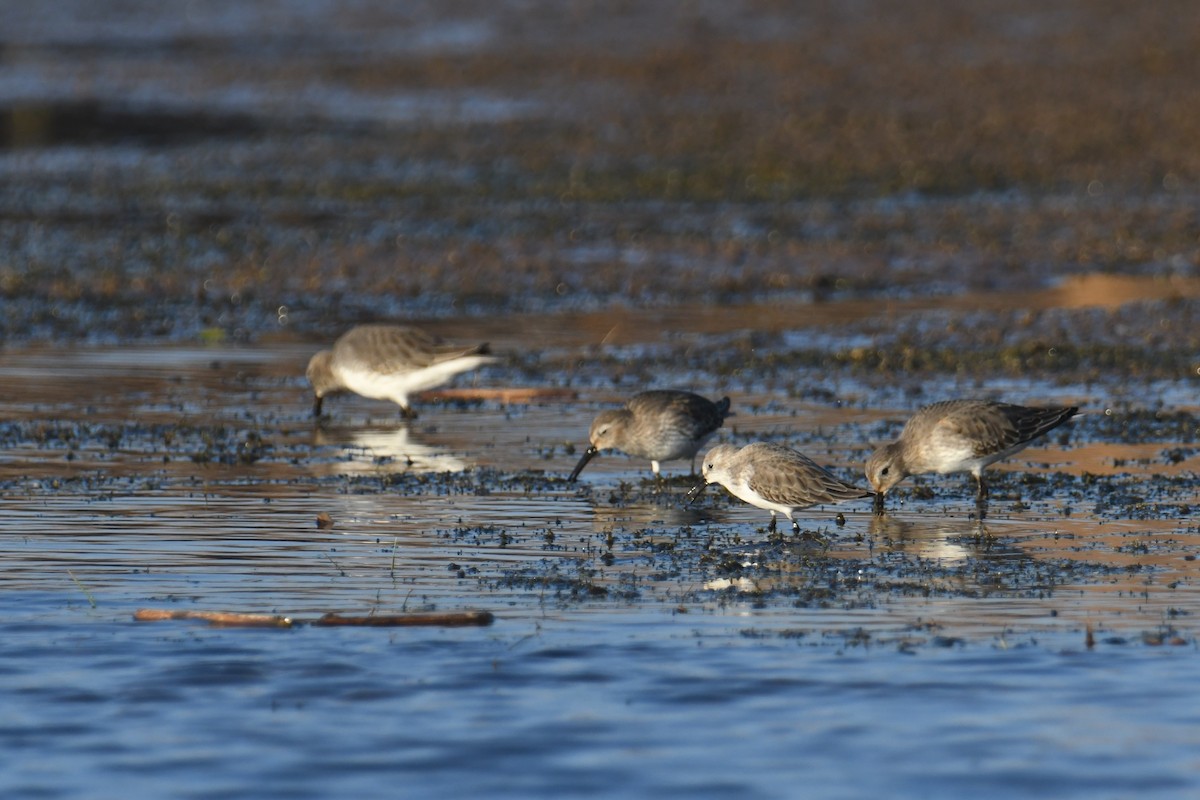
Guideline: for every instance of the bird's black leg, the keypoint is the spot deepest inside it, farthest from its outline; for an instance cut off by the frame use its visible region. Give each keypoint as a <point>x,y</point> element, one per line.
<point>981,497</point>
<point>771,525</point>
<point>407,413</point>
<point>795,528</point>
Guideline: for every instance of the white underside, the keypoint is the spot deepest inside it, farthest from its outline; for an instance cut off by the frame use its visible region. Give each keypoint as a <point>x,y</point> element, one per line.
<point>743,492</point>
<point>949,451</point>
<point>956,461</point>
<point>656,466</point>
<point>963,459</point>
<point>398,386</point>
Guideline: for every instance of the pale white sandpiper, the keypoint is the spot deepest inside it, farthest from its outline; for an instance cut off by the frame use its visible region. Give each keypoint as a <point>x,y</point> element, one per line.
<point>776,478</point>
<point>960,436</point>
<point>389,362</point>
<point>660,425</point>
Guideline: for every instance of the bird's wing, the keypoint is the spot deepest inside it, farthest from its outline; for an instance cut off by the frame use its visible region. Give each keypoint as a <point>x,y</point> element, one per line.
<point>791,478</point>
<point>394,348</point>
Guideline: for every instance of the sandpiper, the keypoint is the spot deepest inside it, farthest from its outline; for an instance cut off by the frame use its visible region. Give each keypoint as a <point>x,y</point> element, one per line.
<point>661,425</point>
<point>773,477</point>
<point>960,436</point>
<point>389,362</point>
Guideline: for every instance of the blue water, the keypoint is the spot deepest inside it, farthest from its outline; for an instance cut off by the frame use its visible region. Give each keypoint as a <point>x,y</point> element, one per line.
<point>633,702</point>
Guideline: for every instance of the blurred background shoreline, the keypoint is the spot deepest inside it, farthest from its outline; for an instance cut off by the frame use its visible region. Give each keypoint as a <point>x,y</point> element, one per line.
<point>175,171</point>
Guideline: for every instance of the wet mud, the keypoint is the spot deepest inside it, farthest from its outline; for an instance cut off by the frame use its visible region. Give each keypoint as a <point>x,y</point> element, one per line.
<point>169,264</point>
<point>1099,510</point>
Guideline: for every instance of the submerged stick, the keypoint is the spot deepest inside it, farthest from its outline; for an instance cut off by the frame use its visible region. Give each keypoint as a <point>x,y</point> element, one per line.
<point>237,619</point>
<point>448,620</point>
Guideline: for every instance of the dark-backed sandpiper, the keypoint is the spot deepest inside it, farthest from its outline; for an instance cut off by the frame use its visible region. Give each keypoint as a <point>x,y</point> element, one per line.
<point>660,425</point>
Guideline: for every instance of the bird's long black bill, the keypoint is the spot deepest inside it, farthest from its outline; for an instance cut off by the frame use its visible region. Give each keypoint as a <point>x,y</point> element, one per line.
<point>879,503</point>
<point>695,492</point>
<point>588,455</point>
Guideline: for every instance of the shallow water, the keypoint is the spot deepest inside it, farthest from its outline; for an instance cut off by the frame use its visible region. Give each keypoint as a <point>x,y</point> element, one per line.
<point>641,646</point>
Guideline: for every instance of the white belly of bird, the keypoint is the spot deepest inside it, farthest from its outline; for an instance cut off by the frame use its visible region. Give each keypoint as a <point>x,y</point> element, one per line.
<point>397,386</point>
<point>944,454</point>
<point>742,491</point>
<point>962,458</point>
<point>954,461</point>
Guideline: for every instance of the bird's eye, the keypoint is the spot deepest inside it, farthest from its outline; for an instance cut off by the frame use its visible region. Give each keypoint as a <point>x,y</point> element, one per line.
<point>884,471</point>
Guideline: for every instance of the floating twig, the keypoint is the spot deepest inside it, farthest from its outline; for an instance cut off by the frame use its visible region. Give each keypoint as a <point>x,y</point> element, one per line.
<point>447,620</point>
<point>341,571</point>
<point>91,600</point>
<point>455,619</point>
<point>223,618</point>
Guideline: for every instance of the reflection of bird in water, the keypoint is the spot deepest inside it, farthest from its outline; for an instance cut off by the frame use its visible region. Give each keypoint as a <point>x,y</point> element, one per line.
<point>950,541</point>
<point>742,584</point>
<point>779,565</point>
<point>960,436</point>
<point>660,425</point>
<point>640,515</point>
<point>389,362</point>
<point>387,450</point>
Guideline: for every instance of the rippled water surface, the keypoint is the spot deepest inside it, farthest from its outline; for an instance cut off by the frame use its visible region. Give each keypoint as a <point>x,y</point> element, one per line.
<point>640,645</point>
